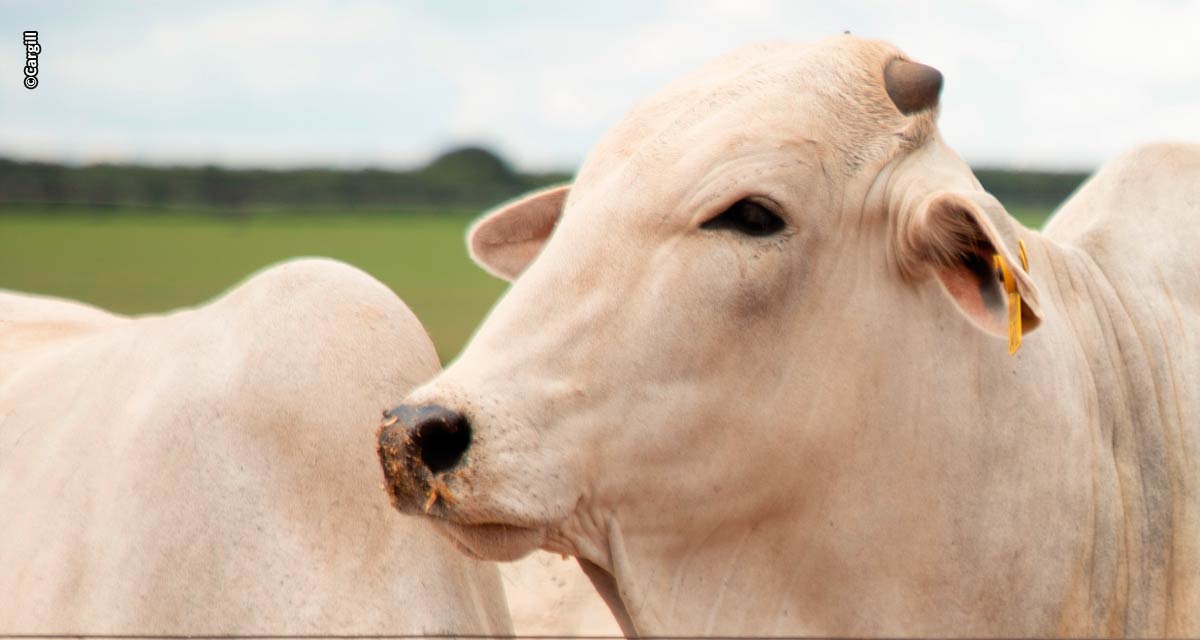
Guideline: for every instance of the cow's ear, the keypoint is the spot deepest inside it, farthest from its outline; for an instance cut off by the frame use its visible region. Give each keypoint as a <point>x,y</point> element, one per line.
<point>506,239</point>
<point>970,243</point>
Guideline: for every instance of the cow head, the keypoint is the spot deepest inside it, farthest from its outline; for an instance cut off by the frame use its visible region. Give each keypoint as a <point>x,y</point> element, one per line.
<point>722,333</point>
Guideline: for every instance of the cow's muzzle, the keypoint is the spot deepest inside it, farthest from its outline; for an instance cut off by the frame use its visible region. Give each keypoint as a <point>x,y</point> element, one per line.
<point>417,446</point>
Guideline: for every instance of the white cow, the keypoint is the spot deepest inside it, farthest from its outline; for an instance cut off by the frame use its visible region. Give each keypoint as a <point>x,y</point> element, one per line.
<point>755,373</point>
<point>212,471</point>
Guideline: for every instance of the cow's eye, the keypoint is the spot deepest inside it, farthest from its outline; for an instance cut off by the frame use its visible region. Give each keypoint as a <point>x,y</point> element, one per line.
<point>748,217</point>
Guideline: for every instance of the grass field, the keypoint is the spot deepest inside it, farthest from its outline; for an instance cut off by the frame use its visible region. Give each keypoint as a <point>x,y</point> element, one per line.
<point>137,262</point>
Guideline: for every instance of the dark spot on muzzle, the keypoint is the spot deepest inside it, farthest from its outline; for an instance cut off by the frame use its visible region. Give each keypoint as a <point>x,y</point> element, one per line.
<point>416,443</point>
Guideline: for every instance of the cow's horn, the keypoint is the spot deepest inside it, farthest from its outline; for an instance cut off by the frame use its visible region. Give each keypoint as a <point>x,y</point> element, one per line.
<point>912,86</point>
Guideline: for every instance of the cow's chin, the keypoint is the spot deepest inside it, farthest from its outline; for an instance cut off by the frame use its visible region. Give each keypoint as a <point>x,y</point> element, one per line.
<point>494,542</point>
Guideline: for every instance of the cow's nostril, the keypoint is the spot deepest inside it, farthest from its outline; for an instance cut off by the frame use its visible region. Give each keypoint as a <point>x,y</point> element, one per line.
<point>442,436</point>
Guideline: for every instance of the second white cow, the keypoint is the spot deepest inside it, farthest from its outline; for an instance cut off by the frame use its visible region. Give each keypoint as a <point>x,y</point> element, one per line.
<point>211,471</point>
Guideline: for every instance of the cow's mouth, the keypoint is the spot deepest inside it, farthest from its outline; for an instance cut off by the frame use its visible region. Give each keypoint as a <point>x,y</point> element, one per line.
<point>492,541</point>
<point>479,535</point>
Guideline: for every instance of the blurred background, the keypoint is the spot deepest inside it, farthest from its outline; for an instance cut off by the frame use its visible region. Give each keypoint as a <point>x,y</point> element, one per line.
<point>171,149</point>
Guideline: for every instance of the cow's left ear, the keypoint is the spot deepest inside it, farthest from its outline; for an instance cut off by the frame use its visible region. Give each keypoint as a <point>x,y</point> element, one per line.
<point>968,240</point>
<point>506,239</point>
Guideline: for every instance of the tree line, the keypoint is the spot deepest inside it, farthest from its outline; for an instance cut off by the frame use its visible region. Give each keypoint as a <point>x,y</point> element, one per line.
<point>466,178</point>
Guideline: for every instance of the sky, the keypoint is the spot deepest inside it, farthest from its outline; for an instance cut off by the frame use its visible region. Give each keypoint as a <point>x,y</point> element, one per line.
<point>1060,85</point>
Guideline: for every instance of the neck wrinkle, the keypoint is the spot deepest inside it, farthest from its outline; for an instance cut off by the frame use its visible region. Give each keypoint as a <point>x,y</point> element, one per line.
<point>741,586</point>
<point>1122,348</point>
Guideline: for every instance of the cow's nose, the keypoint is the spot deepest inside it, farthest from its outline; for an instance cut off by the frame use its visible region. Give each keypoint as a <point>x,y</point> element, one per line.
<point>441,436</point>
<point>436,436</point>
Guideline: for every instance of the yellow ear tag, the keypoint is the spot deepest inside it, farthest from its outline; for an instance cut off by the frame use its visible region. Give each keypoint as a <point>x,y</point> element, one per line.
<point>1014,302</point>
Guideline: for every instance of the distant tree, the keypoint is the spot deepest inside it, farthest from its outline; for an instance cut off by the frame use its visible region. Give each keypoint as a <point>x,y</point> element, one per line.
<point>222,188</point>
<point>469,165</point>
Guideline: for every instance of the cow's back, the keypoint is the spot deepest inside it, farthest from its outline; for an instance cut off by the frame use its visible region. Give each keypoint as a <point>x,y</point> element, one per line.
<point>213,471</point>
<point>31,323</point>
<point>1136,224</point>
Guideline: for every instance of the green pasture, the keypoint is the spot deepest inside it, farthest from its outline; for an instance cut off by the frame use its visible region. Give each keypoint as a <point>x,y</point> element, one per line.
<point>143,262</point>
<point>134,263</point>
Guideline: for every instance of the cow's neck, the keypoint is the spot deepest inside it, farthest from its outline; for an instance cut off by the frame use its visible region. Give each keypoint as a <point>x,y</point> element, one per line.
<point>1123,353</point>
<point>919,528</point>
<point>738,585</point>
